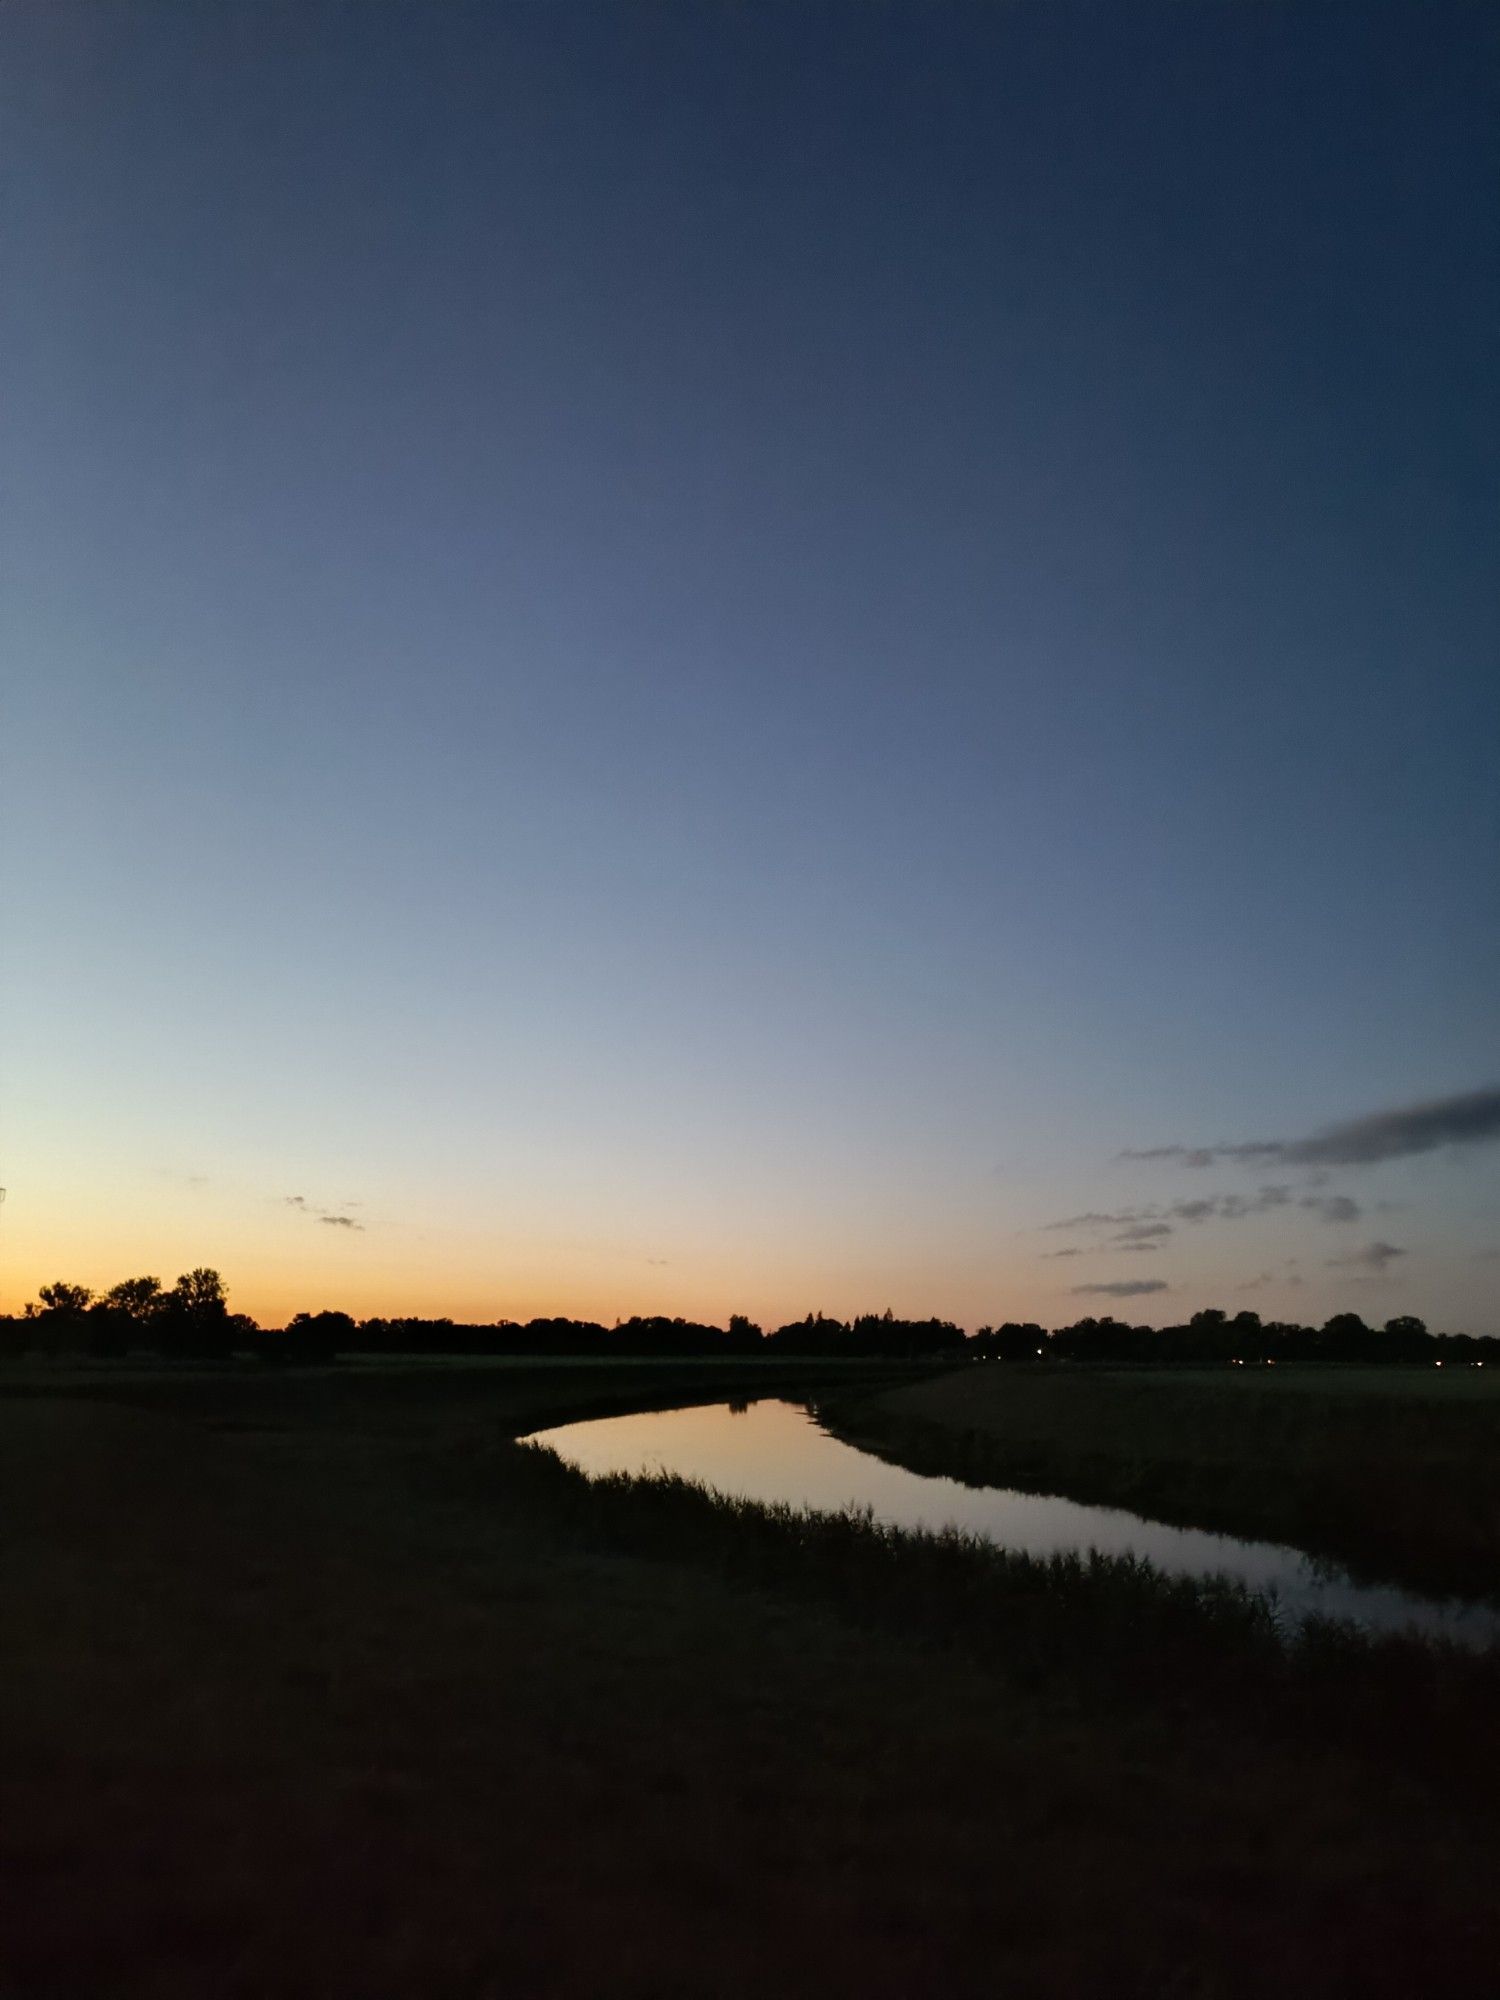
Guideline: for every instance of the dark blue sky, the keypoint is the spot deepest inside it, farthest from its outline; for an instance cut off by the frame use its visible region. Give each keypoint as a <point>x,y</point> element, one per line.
<point>701,651</point>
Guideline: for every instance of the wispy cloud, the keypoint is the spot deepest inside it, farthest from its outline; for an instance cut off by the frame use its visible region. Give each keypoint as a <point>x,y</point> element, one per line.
<point>1124,1288</point>
<point>1264,1278</point>
<point>1155,1219</point>
<point>330,1218</point>
<point>1471,1119</point>
<point>1187,1156</point>
<point>1373,1257</point>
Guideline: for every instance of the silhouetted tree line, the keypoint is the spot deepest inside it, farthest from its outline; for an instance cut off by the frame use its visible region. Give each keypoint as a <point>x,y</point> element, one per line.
<point>656,1335</point>
<point>876,1334</point>
<point>192,1321</point>
<point>1212,1336</point>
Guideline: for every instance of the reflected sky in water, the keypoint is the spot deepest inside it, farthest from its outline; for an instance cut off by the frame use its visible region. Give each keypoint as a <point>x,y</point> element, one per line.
<point>773,1450</point>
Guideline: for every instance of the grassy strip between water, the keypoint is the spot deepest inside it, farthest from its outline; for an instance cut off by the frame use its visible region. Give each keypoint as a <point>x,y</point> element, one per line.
<point>1395,1474</point>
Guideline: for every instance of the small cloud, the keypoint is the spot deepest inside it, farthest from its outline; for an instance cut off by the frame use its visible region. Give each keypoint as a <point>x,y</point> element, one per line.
<point>657,1260</point>
<point>1256,1284</point>
<point>1230,1207</point>
<point>1373,1257</point>
<point>1332,1207</point>
<point>1196,1210</point>
<point>1096,1219</point>
<point>1061,1253</point>
<point>1131,1249</point>
<point>332,1218</point>
<point>1124,1288</point>
<point>1142,1232</point>
<point>1188,1156</point>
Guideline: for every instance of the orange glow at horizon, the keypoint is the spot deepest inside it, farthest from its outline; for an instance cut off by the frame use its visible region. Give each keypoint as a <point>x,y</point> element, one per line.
<point>276,1263</point>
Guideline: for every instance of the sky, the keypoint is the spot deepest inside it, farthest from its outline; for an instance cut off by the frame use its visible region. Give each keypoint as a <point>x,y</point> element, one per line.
<point>707,658</point>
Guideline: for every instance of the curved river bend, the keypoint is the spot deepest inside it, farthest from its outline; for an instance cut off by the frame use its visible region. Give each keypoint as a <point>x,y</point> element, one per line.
<point>775,1451</point>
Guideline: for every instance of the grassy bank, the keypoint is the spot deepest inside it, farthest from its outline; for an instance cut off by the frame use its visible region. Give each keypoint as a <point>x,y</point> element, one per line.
<point>323,1686</point>
<point>1393,1472</point>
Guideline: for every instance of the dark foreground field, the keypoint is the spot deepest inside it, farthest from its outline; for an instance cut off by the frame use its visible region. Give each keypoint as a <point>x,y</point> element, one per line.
<point>320,1686</point>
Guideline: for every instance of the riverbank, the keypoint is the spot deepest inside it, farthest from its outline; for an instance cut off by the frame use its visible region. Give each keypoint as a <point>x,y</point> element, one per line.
<point>1392,1473</point>
<point>322,1685</point>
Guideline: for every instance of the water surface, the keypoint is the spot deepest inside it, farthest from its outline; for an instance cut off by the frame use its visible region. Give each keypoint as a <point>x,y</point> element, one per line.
<point>775,1451</point>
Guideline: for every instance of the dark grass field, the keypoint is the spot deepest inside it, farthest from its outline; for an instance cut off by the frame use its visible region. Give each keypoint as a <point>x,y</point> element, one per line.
<point>319,1685</point>
<point>1393,1472</point>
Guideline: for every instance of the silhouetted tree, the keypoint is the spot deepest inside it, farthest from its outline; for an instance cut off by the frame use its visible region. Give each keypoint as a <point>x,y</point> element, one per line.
<point>137,1298</point>
<point>193,1318</point>
<point>60,1322</point>
<point>1345,1337</point>
<point>66,1301</point>
<point>309,1338</point>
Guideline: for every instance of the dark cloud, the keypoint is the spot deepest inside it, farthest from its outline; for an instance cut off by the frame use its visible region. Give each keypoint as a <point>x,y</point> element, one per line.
<point>340,1222</point>
<point>1142,1232</point>
<point>1124,1288</point>
<point>1468,1120</point>
<point>1061,1253</point>
<point>1471,1119</point>
<point>1332,1207</point>
<point>1374,1257</point>
<point>1127,1249</point>
<point>295,1200</point>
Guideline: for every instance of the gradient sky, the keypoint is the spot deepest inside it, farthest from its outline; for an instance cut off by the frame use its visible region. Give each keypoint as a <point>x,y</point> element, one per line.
<point>694,658</point>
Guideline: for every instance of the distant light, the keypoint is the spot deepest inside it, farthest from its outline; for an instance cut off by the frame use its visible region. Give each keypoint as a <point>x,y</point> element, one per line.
<point>1437,1364</point>
<point>1039,1354</point>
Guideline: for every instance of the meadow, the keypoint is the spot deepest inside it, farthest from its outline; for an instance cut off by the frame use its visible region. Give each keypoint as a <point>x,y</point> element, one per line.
<point>1393,1473</point>
<point>318,1682</point>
